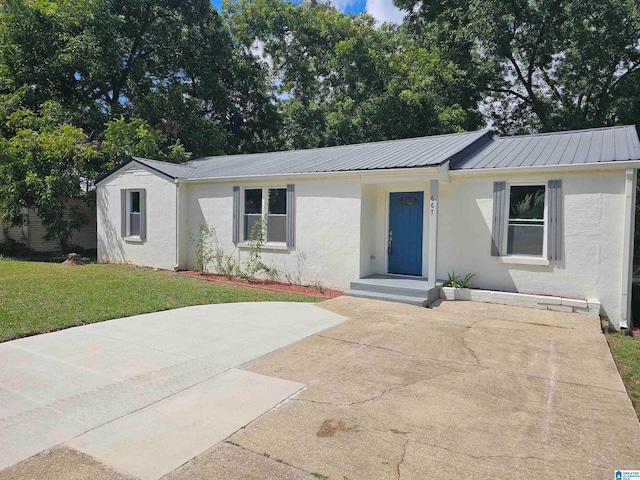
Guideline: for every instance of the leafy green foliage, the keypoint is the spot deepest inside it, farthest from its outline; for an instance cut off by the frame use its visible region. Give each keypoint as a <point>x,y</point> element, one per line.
<point>254,264</point>
<point>456,281</point>
<point>342,80</point>
<point>550,65</point>
<point>43,163</point>
<point>123,140</point>
<point>207,251</point>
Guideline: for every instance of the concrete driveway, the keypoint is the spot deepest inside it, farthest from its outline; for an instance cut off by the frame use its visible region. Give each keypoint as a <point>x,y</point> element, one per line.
<point>145,394</point>
<point>462,390</point>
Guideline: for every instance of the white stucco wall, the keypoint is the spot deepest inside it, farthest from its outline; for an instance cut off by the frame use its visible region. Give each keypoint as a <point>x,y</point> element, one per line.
<point>327,246</point>
<point>593,227</point>
<point>159,247</point>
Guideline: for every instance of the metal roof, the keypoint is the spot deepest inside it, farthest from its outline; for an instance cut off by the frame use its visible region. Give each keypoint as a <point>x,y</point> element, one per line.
<point>173,170</point>
<point>596,145</point>
<point>464,151</point>
<point>411,152</point>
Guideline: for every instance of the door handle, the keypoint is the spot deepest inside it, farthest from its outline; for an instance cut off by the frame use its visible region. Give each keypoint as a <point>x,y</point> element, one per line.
<point>390,244</point>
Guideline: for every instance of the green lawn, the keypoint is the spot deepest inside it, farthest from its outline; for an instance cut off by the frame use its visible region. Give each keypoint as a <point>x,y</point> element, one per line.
<point>626,352</point>
<point>37,297</point>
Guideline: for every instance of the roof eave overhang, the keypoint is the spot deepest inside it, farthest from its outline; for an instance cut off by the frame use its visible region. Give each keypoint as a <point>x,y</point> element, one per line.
<point>574,167</point>
<point>366,176</point>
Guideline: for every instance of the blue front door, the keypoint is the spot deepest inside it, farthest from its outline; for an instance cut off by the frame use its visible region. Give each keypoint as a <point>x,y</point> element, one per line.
<point>404,243</point>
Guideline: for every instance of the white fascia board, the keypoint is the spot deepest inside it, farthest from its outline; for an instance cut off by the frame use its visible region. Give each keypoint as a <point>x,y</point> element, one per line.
<point>141,165</point>
<point>573,167</point>
<point>365,176</point>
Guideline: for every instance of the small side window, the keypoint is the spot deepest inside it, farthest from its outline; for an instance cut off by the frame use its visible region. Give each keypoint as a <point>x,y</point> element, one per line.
<point>134,225</point>
<point>135,214</point>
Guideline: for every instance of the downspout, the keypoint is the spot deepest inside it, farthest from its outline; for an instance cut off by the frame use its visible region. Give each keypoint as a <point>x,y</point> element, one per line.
<point>176,268</point>
<point>627,266</point>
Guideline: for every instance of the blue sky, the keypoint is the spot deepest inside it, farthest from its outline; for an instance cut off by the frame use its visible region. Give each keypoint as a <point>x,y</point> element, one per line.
<point>382,10</point>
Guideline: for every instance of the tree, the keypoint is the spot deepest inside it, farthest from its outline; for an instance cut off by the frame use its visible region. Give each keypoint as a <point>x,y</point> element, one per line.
<point>171,63</point>
<point>125,139</point>
<point>549,64</point>
<point>43,163</point>
<point>339,79</point>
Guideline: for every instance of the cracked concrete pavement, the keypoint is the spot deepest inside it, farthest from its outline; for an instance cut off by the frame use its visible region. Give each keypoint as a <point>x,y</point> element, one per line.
<point>461,390</point>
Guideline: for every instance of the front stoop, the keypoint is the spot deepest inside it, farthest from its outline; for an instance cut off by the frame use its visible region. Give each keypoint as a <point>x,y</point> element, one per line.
<point>390,288</point>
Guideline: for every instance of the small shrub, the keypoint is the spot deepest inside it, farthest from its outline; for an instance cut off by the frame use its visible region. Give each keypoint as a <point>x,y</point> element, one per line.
<point>208,251</point>
<point>204,252</point>
<point>456,281</point>
<point>254,264</point>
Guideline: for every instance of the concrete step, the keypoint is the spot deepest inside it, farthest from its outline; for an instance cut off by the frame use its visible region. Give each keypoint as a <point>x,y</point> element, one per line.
<point>418,292</point>
<point>389,297</point>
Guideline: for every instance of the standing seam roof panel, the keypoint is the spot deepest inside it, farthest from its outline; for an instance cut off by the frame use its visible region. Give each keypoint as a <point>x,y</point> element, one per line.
<point>559,151</point>
<point>484,154</point>
<point>546,152</point>
<point>514,153</point>
<point>595,149</point>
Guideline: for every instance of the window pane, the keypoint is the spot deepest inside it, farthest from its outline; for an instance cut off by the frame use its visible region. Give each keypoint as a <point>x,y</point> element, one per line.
<point>251,222</point>
<point>253,201</point>
<point>277,228</point>
<point>134,203</point>
<point>527,202</point>
<point>525,239</point>
<point>278,201</point>
<point>134,224</point>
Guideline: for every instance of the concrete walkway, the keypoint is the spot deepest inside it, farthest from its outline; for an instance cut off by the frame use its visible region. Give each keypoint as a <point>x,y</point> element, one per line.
<point>145,394</point>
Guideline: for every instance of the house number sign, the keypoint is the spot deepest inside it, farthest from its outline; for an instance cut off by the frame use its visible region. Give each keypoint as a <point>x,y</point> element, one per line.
<point>432,205</point>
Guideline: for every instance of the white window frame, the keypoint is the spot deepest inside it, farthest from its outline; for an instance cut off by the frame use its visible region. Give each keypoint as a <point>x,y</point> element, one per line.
<point>264,210</point>
<point>522,258</point>
<point>128,211</point>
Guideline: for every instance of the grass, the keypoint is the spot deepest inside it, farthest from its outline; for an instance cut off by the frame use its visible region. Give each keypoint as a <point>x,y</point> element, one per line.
<point>38,297</point>
<point>626,353</point>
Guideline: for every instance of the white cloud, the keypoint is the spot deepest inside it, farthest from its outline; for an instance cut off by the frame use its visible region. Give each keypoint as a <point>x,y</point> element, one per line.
<point>342,5</point>
<point>384,11</point>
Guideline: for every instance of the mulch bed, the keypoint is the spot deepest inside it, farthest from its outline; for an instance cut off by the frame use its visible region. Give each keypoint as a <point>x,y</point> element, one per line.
<point>266,285</point>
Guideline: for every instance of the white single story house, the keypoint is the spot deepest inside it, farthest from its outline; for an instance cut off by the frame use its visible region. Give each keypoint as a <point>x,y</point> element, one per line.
<point>548,214</point>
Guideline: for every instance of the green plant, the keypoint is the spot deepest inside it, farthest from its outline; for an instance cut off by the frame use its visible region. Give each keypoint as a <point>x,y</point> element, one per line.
<point>203,249</point>
<point>254,264</point>
<point>457,281</point>
<point>208,251</point>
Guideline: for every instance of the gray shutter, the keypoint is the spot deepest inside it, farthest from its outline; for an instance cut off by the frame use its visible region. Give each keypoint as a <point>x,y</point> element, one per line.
<point>235,232</point>
<point>554,228</point>
<point>123,213</point>
<point>143,214</point>
<point>291,214</point>
<point>497,229</point>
